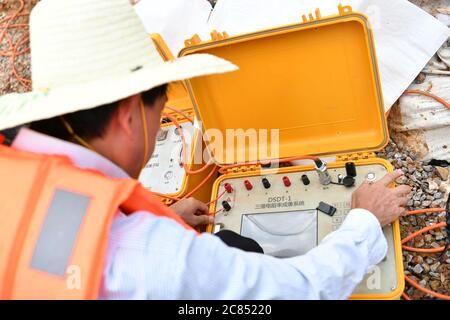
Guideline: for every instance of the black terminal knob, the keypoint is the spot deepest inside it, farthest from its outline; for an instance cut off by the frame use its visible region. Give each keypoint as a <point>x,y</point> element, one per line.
<point>305,180</point>
<point>350,169</point>
<point>266,183</point>
<point>348,181</point>
<point>226,206</point>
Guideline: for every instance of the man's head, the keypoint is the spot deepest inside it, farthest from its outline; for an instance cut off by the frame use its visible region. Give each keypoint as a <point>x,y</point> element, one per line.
<point>115,130</point>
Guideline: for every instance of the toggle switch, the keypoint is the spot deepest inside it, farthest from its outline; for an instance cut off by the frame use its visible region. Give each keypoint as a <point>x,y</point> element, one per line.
<point>286,181</point>
<point>226,206</point>
<point>266,183</point>
<point>248,185</point>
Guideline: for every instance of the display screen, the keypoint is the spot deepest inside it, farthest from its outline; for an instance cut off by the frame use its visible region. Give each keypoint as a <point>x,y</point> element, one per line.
<point>282,234</point>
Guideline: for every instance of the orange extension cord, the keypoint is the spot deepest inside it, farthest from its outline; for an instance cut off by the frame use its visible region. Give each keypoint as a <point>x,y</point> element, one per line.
<point>18,48</point>
<point>430,95</point>
<point>434,250</point>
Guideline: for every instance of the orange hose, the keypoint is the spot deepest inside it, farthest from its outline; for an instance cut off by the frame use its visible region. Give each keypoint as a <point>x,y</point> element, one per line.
<point>425,93</point>
<point>405,296</point>
<point>420,250</point>
<point>417,286</point>
<point>410,213</point>
<point>415,234</point>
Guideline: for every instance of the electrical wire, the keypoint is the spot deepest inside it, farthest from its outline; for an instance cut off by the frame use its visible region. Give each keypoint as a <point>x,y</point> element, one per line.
<point>426,250</point>
<point>182,113</point>
<point>430,95</point>
<point>184,146</point>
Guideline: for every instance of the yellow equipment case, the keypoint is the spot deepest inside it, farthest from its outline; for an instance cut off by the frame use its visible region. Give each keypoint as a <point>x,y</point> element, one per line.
<point>317,83</point>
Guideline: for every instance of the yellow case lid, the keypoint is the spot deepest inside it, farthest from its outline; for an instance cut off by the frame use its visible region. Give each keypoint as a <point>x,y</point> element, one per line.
<point>177,95</point>
<point>316,81</point>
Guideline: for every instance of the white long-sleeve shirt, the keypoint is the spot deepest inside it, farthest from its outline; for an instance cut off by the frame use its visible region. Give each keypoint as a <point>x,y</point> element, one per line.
<point>152,257</point>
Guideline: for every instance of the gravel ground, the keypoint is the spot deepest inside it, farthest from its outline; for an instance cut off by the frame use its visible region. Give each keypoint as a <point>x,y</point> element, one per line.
<point>8,83</point>
<point>430,186</point>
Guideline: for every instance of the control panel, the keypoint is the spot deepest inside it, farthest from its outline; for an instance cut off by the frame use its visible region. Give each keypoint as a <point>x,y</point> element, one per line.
<point>289,212</point>
<point>164,172</point>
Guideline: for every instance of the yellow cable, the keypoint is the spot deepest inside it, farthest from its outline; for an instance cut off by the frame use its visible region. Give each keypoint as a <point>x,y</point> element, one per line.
<point>75,136</point>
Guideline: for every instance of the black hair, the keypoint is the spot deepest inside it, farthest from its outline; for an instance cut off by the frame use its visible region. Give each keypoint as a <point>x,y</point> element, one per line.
<point>91,123</point>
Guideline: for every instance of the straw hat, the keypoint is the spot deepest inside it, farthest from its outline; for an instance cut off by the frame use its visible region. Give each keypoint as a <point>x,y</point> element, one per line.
<point>87,53</point>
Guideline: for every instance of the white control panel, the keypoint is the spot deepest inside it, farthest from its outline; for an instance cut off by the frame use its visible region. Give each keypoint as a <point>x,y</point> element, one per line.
<point>164,172</point>
<point>280,212</point>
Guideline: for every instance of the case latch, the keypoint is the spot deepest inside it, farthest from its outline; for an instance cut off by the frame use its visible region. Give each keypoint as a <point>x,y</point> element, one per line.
<point>343,10</point>
<point>311,17</point>
<point>216,36</point>
<point>355,156</point>
<point>194,40</point>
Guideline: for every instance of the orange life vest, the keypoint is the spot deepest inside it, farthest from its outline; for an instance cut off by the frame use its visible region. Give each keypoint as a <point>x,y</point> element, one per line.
<point>54,224</point>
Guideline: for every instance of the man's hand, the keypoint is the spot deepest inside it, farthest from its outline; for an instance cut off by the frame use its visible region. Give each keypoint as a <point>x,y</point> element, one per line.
<point>192,211</point>
<point>387,204</point>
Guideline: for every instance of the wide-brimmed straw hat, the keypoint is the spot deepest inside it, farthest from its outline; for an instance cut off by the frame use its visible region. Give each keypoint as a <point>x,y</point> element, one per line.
<point>87,53</point>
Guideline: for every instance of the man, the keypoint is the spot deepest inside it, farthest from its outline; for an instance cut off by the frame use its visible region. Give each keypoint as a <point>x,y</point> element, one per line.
<point>99,91</point>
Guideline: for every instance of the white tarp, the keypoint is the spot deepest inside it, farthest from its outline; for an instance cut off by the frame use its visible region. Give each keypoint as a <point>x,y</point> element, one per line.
<point>406,37</point>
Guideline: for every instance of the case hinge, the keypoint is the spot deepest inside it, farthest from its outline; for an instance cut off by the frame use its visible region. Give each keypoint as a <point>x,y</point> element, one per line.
<point>256,167</point>
<point>215,36</point>
<point>355,156</point>
<point>343,10</point>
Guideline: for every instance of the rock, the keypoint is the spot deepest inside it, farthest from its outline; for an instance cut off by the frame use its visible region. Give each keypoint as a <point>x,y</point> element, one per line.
<point>419,242</point>
<point>434,274</point>
<point>435,245</point>
<point>426,267</point>
<point>435,266</point>
<point>426,203</point>
<point>444,188</point>
<point>432,185</point>
<point>428,168</point>
<point>402,180</point>
<point>436,204</point>
<point>416,197</point>
<point>417,204</point>
<point>423,283</point>
<point>442,173</point>
<point>438,195</point>
<point>428,238</point>
<point>418,269</point>
<point>435,285</point>
<point>429,260</point>
<point>439,236</point>
<point>417,260</point>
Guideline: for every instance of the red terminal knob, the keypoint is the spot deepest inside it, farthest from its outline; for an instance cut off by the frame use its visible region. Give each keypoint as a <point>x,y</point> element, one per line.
<point>248,185</point>
<point>286,181</point>
<point>228,187</point>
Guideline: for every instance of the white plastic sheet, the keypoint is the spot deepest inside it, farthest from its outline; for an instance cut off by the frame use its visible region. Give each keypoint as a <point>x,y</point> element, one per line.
<point>406,37</point>
<point>174,20</point>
